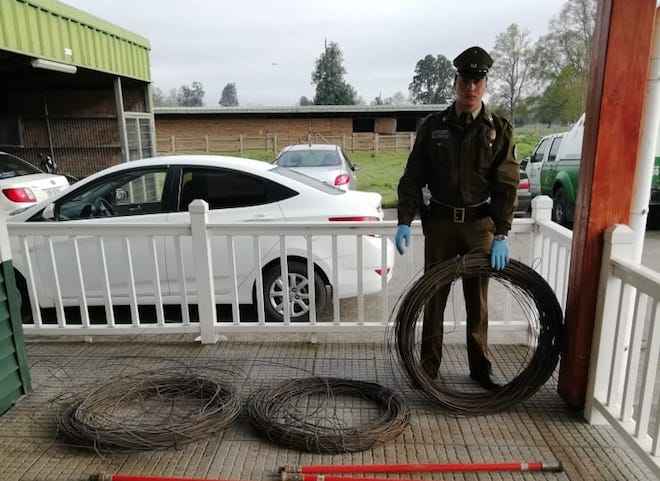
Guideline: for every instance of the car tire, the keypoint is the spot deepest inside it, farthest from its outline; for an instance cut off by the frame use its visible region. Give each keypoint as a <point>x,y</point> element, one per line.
<point>298,292</point>
<point>560,208</point>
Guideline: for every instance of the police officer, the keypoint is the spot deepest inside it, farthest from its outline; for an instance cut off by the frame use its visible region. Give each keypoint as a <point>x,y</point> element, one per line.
<point>464,157</point>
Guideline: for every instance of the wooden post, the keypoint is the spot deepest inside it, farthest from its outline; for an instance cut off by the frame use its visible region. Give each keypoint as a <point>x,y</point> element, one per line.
<point>376,141</point>
<point>275,144</point>
<point>206,140</point>
<point>620,63</point>
<point>173,143</point>
<point>240,140</point>
<point>353,142</point>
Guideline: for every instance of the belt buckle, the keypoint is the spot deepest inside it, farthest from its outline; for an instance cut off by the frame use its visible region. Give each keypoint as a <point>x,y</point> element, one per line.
<point>459,215</point>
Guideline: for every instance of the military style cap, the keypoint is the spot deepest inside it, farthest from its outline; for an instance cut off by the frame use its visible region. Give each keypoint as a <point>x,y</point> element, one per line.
<point>473,62</point>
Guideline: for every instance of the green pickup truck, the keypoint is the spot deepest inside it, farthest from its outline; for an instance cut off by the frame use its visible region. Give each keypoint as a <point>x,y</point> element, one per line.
<point>555,173</point>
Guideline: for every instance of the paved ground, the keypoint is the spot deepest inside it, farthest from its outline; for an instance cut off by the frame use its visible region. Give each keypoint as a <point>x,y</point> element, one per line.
<point>541,428</point>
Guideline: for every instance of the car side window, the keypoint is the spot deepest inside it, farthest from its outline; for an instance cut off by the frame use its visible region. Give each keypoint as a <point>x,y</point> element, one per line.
<point>136,192</point>
<point>552,156</point>
<point>540,151</point>
<point>226,188</point>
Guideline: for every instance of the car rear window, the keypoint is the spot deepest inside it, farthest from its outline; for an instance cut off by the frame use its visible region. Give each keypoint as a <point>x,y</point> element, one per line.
<point>307,180</point>
<point>14,167</point>
<point>309,158</point>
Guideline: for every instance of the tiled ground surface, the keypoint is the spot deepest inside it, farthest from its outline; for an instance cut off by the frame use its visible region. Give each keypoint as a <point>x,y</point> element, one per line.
<point>540,429</point>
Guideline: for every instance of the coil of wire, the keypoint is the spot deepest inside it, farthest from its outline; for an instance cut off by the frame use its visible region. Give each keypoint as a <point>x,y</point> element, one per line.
<point>148,411</point>
<point>276,413</point>
<point>532,293</point>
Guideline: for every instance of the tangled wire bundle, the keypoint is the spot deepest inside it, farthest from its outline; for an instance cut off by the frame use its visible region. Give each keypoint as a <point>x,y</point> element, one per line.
<point>535,297</point>
<point>285,414</point>
<point>148,411</point>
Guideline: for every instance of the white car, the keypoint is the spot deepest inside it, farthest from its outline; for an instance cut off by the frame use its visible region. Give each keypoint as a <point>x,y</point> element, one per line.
<point>325,162</point>
<point>23,185</point>
<point>160,190</point>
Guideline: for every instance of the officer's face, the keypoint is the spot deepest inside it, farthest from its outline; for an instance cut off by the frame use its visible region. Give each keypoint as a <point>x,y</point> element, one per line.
<point>469,92</point>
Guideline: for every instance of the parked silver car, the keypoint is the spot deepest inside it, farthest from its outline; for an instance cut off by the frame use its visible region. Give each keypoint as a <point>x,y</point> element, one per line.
<point>325,162</point>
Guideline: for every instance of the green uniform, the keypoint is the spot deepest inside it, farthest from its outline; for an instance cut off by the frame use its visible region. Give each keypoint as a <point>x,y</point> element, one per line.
<point>472,175</point>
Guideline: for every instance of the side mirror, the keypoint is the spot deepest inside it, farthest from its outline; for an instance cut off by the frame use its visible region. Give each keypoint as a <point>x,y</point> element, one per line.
<point>356,168</point>
<point>49,212</point>
<point>523,163</point>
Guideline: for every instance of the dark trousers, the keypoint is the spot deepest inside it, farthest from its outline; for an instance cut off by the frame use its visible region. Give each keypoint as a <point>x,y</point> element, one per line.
<point>444,240</point>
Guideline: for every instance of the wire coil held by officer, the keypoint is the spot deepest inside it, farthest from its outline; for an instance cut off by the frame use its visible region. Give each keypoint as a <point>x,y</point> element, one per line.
<point>464,157</point>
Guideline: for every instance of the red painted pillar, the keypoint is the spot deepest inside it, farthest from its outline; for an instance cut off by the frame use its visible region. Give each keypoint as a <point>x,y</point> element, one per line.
<point>620,62</point>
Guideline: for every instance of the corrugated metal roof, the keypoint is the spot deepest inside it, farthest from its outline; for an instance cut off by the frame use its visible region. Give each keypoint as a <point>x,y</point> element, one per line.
<point>308,109</point>
<point>55,31</point>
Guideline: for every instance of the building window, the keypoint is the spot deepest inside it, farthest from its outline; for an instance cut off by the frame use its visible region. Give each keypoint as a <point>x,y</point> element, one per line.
<point>363,125</point>
<point>407,124</point>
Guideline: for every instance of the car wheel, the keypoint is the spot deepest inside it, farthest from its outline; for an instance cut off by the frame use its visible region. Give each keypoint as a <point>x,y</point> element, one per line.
<point>299,300</point>
<point>560,208</point>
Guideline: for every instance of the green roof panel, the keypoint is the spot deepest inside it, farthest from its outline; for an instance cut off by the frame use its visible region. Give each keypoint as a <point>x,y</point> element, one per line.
<point>55,31</point>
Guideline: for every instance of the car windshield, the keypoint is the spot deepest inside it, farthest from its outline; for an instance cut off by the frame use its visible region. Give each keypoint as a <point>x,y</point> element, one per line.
<point>308,181</point>
<point>11,166</point>
<point>309,158</point>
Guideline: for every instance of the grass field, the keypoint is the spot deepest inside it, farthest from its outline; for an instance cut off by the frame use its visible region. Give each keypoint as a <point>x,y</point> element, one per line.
<point>380,172</point>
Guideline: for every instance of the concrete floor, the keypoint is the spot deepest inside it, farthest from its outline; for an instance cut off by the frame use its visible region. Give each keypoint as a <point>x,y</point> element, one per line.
<point>541,428</point>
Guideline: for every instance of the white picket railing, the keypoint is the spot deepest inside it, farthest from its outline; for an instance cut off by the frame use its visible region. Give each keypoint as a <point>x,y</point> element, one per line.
<point>626,343</point>
<point>54,256</point>
<point>551,248</point>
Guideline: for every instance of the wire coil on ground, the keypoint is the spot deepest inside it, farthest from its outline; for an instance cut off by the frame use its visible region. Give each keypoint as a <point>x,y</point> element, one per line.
<point>148,411</point>
<point>534,295</point>
<point>275,412</point>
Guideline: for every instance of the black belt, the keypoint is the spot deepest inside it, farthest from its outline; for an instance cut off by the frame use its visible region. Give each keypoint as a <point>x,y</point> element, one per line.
<point>459,215</point>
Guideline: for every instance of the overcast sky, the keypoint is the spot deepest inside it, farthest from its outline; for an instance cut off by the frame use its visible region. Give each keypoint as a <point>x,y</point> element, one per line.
<point>268,48</point>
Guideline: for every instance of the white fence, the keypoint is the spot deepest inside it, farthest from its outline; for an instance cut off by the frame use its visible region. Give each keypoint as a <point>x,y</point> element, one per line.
<point>70,267</point>
<point>624,358</point>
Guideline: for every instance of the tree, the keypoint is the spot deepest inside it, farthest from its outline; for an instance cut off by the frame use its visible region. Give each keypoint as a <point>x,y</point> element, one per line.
<point>397,99</point>
<point>328,76</point>
<point>162,100</point>
<point>433,80</point>
<point>563,99</point>
<point>229,97</point>
<point>566,48</point>
<point>305,101</point>
<point>511,65</point>
<point>192,96</point>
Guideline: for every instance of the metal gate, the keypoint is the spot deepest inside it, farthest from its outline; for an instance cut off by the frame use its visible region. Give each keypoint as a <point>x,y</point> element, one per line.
<point>138,134</point>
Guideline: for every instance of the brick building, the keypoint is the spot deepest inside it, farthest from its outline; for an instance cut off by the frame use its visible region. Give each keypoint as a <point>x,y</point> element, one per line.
<point>254,127</point>
<point>82,97</point>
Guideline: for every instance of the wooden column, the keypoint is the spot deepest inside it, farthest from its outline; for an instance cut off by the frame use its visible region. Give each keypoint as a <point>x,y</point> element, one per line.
<point>621,51</point>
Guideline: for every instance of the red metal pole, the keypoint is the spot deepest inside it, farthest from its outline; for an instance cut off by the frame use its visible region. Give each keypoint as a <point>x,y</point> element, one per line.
<point>127,477</point>
<point>311,473</point>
